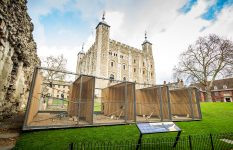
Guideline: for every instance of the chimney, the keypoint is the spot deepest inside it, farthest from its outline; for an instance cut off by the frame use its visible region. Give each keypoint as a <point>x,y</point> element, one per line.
<point>181,83</point>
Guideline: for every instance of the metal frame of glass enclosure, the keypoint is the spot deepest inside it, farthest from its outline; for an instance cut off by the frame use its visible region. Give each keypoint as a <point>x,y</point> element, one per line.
<point>78,100</point>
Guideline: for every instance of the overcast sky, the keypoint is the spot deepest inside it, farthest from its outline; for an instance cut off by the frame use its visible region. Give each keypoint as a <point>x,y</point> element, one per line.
<point>61,26</point>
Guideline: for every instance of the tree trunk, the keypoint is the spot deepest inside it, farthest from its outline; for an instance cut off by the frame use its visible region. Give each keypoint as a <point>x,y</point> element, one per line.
<point>208,97</point>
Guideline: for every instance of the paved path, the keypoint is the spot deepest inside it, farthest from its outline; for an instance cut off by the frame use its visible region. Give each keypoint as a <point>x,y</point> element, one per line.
<point>8,135</point>
<point>8,140</point>
<point>227,141</point>
<point>9,131</point>
<point>9,147</point>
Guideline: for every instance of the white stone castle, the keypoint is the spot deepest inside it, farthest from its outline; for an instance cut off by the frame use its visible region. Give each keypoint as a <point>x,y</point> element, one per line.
<point>111,59</point>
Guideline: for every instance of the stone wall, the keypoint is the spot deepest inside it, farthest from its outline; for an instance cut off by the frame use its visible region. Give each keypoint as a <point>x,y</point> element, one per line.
<point>17,56</point>
<point>131,63</point>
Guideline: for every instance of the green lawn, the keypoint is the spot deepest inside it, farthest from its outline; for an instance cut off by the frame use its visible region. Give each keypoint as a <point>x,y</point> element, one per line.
<point>59,101</point>
<point>97,106</point>
<point>217,118</point>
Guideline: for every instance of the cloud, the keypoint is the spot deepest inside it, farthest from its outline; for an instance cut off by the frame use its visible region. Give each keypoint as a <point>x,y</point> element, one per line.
<point>42,8</point>
<point>169,29</point>
<point>188,6</point>
<point>89,9</point>
<point>216,8</point>
<point>223,23</point>
<point>70,53</point>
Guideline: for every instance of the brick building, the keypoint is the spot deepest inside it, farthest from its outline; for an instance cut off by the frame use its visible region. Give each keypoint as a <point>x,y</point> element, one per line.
<point>222,90</point>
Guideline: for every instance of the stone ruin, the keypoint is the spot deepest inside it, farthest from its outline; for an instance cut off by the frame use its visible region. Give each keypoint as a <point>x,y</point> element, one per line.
<point>17,56</point>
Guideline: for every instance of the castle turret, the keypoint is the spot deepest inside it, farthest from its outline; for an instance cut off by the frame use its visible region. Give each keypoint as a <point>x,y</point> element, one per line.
<point>148,61</point>
<point>102,46</point>
<point>79,59</point>
<point>147,46</point>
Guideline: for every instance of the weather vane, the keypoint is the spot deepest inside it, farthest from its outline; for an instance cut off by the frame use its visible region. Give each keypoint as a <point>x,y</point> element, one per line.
<point>82,46</point>
<point>103,18</point>
<point>145,35</point>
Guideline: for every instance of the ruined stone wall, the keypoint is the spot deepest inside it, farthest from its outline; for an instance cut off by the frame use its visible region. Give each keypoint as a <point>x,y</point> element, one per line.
<point>17,56</point>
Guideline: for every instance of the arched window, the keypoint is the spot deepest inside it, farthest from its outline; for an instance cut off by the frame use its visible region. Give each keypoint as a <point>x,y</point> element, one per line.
<point>124,78</point>
<point>224,86</point>
<point>124,66</point>
<point>111,77</point>
<point>112,63</point>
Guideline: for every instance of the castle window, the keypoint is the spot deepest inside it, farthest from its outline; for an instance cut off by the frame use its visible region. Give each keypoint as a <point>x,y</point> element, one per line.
<point>64,86</point>
<point>143,72</point>
<point>143,63</point>
<point>134,69</point>
<point>224,86</point>
<point>121,56</point>
<point>110,53</point>
<point>151,66</point>
<point>116,54</point>
<point>112,64</point>
<point>111,77</point>
<point>151,74</point>
<point>124,67</point>
<point>134,61</point>
<point>57,96</point>
<point>124,78</point>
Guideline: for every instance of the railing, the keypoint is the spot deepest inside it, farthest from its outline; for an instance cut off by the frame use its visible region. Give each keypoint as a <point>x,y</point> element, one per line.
<point>193,142</point>
<point>223,141</point>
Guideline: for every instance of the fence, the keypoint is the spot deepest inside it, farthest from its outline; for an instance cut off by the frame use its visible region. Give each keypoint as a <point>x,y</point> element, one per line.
<point>194,142</point>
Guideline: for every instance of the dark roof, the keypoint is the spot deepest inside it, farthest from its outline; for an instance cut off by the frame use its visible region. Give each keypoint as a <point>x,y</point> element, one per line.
<point>102,23</point>
<point>146,42</point>
<point>218,83</point>
<point>81,52</point>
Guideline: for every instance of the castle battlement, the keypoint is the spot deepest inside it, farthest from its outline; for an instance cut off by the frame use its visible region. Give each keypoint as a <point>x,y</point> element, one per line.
<point>120,44</point>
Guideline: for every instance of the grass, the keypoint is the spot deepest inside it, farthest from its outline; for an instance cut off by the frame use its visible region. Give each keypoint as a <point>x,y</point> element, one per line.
<point>59,102</point>
<point>97,106</point>
<point>217,118</point>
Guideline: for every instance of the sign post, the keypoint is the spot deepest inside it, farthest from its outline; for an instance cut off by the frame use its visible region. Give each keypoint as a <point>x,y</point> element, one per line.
<point>160,127</point>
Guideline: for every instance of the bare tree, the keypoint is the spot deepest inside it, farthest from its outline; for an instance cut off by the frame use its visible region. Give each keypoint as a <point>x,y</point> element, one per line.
<point>204,61</point>
<point>57,63</point>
